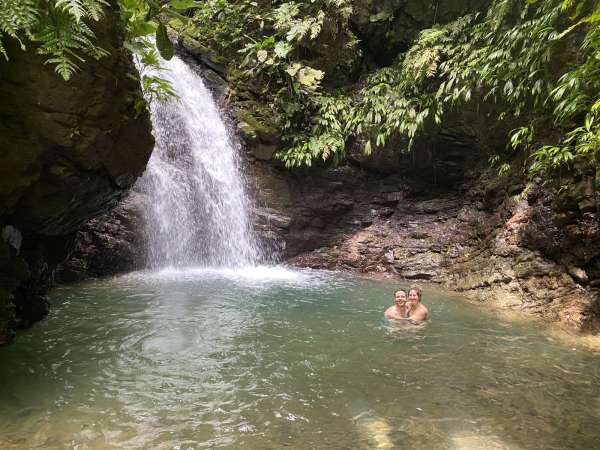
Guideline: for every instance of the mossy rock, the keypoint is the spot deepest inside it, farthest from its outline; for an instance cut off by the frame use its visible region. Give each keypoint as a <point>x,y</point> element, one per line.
<point>203,54</point>
<point>255,127</point>
<point>264,152</point>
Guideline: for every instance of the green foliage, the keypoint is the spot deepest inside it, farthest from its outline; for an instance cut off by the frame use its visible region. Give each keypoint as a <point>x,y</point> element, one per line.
<point>145,22</point>
<point>537,61</point>
<point>283,51</point>
<point>164,45</point>
<point>82,9</point>
<point>58,26</point>
<point>63,34</point>
<point>324,133</point>
<point>16,17</point>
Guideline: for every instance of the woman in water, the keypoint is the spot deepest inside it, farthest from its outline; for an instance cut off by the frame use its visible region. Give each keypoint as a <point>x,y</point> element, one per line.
<point>408,307</point>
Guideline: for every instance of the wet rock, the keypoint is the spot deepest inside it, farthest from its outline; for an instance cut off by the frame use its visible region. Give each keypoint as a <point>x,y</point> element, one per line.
<point>264,152</point>
<point>578,274</point>
<point>419,235</point>
<point>70,150</point>
<point>202,55</point>
<point>108,244</point>
<point>12,237</point>
<point>517,254</point>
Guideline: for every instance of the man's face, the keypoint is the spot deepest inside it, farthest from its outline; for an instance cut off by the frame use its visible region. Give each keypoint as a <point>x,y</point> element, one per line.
<point>413,297</point>
<point>400,298</point>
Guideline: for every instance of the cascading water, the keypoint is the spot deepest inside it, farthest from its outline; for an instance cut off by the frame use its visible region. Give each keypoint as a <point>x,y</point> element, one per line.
<point>196,213</point>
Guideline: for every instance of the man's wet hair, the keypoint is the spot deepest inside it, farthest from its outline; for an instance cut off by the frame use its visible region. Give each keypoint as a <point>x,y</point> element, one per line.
<point>417,289</point>
<point>401,290</point>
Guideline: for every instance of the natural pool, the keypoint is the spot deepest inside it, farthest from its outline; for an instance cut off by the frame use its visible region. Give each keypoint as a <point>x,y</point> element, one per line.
<point>270,358</point>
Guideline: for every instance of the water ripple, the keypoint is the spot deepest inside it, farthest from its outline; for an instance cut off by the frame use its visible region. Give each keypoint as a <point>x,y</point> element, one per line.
<point>274,357</point>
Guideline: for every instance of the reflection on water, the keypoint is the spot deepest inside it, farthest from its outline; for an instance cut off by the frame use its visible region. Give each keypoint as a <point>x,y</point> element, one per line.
<point>265,358</point>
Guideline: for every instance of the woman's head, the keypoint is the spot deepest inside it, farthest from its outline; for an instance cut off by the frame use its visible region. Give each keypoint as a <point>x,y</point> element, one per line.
<point>400,297</point>
<point>414,294</point>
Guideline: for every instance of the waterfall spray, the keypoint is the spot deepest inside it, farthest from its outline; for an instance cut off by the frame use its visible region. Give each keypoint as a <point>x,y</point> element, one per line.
<point>197,208</point>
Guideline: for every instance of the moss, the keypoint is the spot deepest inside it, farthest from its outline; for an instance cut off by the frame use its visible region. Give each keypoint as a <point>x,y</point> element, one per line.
<point>256,123</point>
<point>264,152</point>
<point>208,56</point>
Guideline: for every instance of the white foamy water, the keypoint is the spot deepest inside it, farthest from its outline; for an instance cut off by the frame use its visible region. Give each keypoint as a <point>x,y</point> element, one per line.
<point>245,273</point>
<point>197,208</point>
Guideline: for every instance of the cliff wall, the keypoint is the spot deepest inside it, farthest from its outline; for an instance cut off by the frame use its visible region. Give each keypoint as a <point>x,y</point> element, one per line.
<point>69,151</point>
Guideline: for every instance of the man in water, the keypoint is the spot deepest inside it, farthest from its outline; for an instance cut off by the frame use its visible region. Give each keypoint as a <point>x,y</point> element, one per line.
<point>398,311</point>
<point>408,307</point>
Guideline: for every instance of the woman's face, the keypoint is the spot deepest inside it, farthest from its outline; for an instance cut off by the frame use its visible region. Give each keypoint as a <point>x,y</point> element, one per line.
<point>413,297</point>
<point>400,298</point>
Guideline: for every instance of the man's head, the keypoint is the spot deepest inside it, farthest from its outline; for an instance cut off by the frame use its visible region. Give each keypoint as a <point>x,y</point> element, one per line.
<point>414,294</point>
<point>400,297</point>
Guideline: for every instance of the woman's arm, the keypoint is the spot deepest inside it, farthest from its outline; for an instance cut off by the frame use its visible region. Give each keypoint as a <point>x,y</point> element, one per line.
<point>420,315</point>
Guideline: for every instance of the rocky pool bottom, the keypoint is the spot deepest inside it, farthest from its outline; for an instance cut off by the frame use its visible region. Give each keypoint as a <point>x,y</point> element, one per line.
<point>270,358</point>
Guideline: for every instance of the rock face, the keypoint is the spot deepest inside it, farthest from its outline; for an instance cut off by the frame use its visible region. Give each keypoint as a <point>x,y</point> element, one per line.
<point>388,27</point>
<point>70,150</point>
<point>515,250</point>
<point>539,254</point>
<point>108,244</point>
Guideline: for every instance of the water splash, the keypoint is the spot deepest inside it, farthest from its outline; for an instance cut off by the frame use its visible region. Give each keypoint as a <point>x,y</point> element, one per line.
<point>196,212</point>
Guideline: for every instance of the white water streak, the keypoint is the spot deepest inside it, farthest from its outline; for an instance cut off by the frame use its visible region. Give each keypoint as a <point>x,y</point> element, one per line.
<point>197,208</point>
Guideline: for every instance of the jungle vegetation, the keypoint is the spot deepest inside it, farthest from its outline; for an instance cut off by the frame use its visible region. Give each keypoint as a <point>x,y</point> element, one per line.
<point>62,31</point>
<point>537,61</point>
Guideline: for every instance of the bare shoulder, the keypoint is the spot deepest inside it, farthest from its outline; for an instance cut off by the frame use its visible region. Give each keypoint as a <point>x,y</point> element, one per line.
<point>390,312</point>
<point>422,313</point>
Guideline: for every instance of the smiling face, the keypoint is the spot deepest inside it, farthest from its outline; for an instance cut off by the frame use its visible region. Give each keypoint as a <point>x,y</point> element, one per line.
<point>400,298</point>
<point>413,297</point>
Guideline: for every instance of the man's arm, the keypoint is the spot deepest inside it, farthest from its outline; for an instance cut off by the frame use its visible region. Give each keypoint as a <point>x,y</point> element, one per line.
<point>391,313</point>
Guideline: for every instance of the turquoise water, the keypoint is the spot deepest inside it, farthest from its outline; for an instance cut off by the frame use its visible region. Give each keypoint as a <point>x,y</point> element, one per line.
<point>274,358</point>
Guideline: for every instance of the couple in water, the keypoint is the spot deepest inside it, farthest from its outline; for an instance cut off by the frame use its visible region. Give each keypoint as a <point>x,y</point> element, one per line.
<point>408,306</point>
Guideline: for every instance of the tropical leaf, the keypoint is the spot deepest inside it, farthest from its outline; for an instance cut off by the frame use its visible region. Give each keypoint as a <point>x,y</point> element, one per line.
<point>163,43</point>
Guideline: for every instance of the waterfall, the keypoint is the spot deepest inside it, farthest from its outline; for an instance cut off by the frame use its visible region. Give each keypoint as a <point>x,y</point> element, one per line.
<point>197,209</point>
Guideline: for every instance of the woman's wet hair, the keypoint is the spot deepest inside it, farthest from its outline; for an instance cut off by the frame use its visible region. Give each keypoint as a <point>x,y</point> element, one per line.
<point>417,289</point>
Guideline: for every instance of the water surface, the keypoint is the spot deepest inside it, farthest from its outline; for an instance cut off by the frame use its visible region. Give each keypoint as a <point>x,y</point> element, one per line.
<point>272,358</point>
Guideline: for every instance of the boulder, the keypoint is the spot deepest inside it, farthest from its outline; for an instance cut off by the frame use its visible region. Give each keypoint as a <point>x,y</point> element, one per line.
<point>69,151</point>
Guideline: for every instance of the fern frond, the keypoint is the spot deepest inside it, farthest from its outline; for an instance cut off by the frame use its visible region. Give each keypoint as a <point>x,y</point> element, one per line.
<point>65,40</point>
<point>17,16</point>
<point>82,9</point>
<point>65,67</point>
